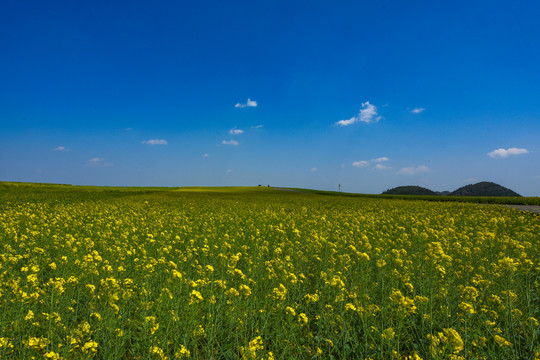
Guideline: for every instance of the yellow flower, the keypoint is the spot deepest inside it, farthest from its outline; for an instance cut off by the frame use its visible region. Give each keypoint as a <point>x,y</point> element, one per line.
<point>350,306</point>
<point>388,334</point>
<point>158,351</point>
<point>5,343</point>
<point>454,338</point>
<point>29,316</point>
<point>52,355</point>
<point>90,346</point>
<point>302,319</point>
<point>37,343</point>
<point>182,353</point>
<point>244,290</point>
<point>290,310</point>
<point>501,341</point>
<point>195,297</point>
<point>280,292</point>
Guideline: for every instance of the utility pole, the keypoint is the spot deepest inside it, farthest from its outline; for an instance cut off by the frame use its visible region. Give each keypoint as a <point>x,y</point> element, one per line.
<point>339,187</point>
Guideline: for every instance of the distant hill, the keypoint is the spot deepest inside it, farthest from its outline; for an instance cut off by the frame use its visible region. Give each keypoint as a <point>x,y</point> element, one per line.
<point>409,190</point>
<point>484,188</point>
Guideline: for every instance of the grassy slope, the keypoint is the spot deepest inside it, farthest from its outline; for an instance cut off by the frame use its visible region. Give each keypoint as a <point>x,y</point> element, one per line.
<point>120,191</point>
<point>472,199</point>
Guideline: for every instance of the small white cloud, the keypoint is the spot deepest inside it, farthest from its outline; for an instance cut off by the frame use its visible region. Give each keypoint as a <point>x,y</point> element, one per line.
<point>206,155</point>
<point>418,110</point>
<point>471,180</point>
<point>236,131</point>
<point>98,162</point>
<point>361,164</point>
<point>414,170</point>
<point>367,114</point>
<point>257,126</point>
<point>381,159</point>
<point>504,153</point>
<point>155,142</point>
<point>60,148</point>
<point>248,103</point>
<point>229,170</point>
<point>347,122</point>
<point>381,167</point>
<point>230,142</point>
<point>313,169</point>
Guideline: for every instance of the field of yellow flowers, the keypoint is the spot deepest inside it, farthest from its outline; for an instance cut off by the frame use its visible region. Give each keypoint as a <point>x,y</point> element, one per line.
<point>109,273</point>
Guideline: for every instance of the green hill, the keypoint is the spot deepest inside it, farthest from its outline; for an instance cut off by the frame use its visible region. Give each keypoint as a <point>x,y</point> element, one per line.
<point>484,188</point>
<point>409,190</point>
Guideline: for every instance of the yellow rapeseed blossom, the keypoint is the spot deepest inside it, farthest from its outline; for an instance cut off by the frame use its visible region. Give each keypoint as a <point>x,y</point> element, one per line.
<point>182,353</point>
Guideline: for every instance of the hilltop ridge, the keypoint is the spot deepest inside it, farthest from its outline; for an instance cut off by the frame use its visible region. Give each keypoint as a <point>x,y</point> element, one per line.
<point>483,188</point>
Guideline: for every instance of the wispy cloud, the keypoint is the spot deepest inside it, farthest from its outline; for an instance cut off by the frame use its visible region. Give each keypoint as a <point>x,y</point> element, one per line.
<point>414,170</point>
<point>257,126</point>
<point>377,161</point>
<point>418,110</point>
<point>98,162</point>
<point>382,167</point>
<point>504,153</point>
<point>236,131</point>
<point>361,164</point>
<point>206,155</point>
<point>367,114</point>
<point>60,148</point>
<point>230,142</point>
<point>248,103</point>
<point>155,142</point>
<point>313,169</point>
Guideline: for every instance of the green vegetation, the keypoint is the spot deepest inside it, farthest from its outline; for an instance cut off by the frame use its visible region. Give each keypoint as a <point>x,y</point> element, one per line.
<point>409,190</point>
<point>259,273</point>
<point>438,198</point>
<point>484,188</point>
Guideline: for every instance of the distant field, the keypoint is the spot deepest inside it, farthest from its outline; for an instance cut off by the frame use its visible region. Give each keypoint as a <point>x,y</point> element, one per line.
<point>522,200</point>
<point>260,273</point>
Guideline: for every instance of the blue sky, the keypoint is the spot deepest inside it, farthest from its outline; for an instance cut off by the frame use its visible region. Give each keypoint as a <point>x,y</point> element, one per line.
<point>369,95</point>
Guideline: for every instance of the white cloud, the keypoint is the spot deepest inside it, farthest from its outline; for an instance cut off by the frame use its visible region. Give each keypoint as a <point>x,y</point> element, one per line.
<point>347,122</point>
<point>60,148</point>
<point>504,153</point>
<point>414,170</point>
<point>236,131</point>
<point>362,163</point>
<point>155,142</point>
<point>418,110</point>
<point>229,171</point>
<point>206,155</point>
<point>230,142</point>
<point>257,126</point>
<point>381,159</point>
<point>381,167</point>
<point>248,103</point>
<point>98,162</point>
<point>367,114</point>
<point>313,169</point>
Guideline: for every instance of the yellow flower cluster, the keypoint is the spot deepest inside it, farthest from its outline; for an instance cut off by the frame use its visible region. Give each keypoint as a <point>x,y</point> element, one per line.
<point>261,274</point>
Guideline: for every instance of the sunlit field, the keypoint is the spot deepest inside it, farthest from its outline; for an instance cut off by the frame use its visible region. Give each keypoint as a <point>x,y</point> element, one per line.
<point>111,273</point>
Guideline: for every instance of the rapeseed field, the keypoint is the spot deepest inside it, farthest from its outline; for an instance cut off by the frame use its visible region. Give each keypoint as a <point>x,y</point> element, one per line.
<point>97,273</point>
